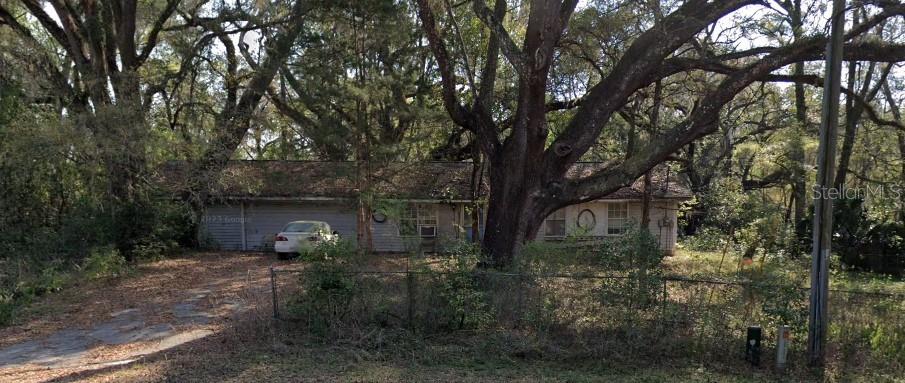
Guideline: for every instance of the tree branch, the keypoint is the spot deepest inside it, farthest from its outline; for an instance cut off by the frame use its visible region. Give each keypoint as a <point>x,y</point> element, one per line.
<point>639,62</point>
<point>151,41</point>
<point>513,54</point>
<point>447,77</point>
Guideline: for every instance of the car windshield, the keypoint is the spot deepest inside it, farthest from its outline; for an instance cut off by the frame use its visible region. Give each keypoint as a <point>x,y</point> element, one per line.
<point>302,227</point>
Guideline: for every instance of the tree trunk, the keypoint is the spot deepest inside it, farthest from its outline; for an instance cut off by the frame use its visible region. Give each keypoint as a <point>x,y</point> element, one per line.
<point>513,215</point>
<point>897,114</point>
<point>851,125</point>
<point>796,150</point>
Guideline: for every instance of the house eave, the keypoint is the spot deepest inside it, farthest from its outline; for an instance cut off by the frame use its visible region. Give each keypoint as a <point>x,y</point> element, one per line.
<point>303,199</point>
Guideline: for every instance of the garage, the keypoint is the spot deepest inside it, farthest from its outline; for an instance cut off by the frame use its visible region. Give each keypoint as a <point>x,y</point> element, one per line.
<point>251,225</point>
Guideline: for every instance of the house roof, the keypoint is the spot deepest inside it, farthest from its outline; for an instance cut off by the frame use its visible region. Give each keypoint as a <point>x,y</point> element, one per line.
<point>401,180</point>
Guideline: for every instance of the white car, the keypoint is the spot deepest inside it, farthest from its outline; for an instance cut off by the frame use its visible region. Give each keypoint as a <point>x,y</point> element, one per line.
<point>298,235</point>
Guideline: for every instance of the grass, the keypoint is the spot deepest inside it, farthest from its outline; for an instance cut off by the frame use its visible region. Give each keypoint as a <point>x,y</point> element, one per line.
<point>457,357</point>
<point>706,264</point>
<point>251,349</point>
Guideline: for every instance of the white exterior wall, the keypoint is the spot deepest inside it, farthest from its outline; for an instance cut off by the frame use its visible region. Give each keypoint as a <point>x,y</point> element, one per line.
<point>386,238</point>
<point>250,225</point>
<point>663,219</point>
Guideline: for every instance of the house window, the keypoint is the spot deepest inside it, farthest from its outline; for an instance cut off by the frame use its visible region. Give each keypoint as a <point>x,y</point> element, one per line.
<point>616,218</point>
<point>555,224</point>
<point>418,220</point>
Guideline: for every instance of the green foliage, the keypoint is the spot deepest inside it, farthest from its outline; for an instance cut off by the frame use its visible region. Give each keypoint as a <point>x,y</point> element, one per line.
<point>6,313</point>
<point>551,257</point>
<point>866,243</point>
<point>50,280</point>
<point>887,340</point>
<point>328,287</point>
<point>103,262</point>
<point>461,298</point>
<point>782,300</point>
<point>751,221</point>
<point>637,249</point>
<point>337,251</point>
<point>636,255</point>
<point>325,300</point>
<point>707,238</point>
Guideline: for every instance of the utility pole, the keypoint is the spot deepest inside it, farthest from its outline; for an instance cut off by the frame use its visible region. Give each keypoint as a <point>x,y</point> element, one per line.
<point>823,203</point>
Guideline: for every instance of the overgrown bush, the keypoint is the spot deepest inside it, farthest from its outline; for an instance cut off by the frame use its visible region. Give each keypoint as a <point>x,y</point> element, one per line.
<point>324,303</point>
<point>460,297</point>
<point>865,243</point>
<point>780,300</point>
<point>104,261</point>
<point>636,257</point>
<point>706,239</point>
<point>887,341</point>
<point>752,225</point>
<point>338,251</point>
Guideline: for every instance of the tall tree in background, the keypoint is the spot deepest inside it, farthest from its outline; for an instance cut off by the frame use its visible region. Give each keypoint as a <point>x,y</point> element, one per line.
<point>96,80</point>
<point>530,170</point>
<point>234,119</point>
<point>111,67</point>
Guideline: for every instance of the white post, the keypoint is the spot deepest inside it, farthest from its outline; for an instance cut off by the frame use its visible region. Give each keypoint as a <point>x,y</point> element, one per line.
<point>782,346</point>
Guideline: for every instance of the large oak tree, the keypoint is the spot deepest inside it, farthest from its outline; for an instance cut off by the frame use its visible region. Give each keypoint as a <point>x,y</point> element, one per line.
<point>530,168</point>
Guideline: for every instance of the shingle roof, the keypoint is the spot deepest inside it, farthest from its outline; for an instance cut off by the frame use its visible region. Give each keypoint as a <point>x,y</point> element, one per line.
<point>414,180</point>
<point>665,183</point>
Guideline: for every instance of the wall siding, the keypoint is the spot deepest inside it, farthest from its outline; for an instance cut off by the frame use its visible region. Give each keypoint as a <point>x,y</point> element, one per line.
<point>221,227</point>
<point>386,235</point>
<point>222,224</point>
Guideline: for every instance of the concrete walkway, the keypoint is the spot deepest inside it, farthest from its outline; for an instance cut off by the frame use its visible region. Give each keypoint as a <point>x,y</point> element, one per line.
<point>98,324</point>
<point>70,347</point>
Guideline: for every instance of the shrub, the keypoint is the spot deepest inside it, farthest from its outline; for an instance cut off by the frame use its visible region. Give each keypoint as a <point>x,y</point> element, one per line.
<point>887,340</point>
<point>103,262</point>
<point>864,243</point>
<point>637,256</point>
<point>554,257</point>
<point>341,250</point>
<point>461,300</point>
<point>328,287</point>
<point>6,313</point>
<point>324,303</point>
<point>636,250</point>
<point>707,239</point>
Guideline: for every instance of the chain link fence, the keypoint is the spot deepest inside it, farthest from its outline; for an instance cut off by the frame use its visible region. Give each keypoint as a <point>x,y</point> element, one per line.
<point>603,315</point>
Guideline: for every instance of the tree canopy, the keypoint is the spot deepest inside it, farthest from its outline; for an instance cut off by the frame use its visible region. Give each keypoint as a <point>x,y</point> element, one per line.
<point>719,91</point>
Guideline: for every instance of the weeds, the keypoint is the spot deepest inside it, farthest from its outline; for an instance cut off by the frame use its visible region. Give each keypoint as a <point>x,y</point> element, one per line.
<point>104,262</point>
<point>554,307</point>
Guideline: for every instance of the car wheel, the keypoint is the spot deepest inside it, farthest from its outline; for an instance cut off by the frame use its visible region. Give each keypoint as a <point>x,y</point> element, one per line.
<point>284,256</point>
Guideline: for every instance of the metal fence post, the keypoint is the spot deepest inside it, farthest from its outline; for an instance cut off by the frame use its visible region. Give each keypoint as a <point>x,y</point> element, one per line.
<point>409,281</point>
<point>663,303</point>
<point>520,315</point>
<point>273,290</point>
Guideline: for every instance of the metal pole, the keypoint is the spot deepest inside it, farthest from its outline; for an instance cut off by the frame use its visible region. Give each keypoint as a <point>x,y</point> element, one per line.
<point>409,281</point>
<point>273,290</point>
<point>823,203</point>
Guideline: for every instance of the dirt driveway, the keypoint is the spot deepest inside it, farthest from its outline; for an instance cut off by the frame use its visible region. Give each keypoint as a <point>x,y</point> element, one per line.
<point>115,322</point>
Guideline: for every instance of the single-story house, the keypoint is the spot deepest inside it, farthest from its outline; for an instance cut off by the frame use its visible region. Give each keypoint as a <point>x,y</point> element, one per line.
<point>431,202</point>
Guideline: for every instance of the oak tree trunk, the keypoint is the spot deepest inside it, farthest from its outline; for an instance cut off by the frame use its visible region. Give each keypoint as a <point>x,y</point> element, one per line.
<point>513,215</point>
